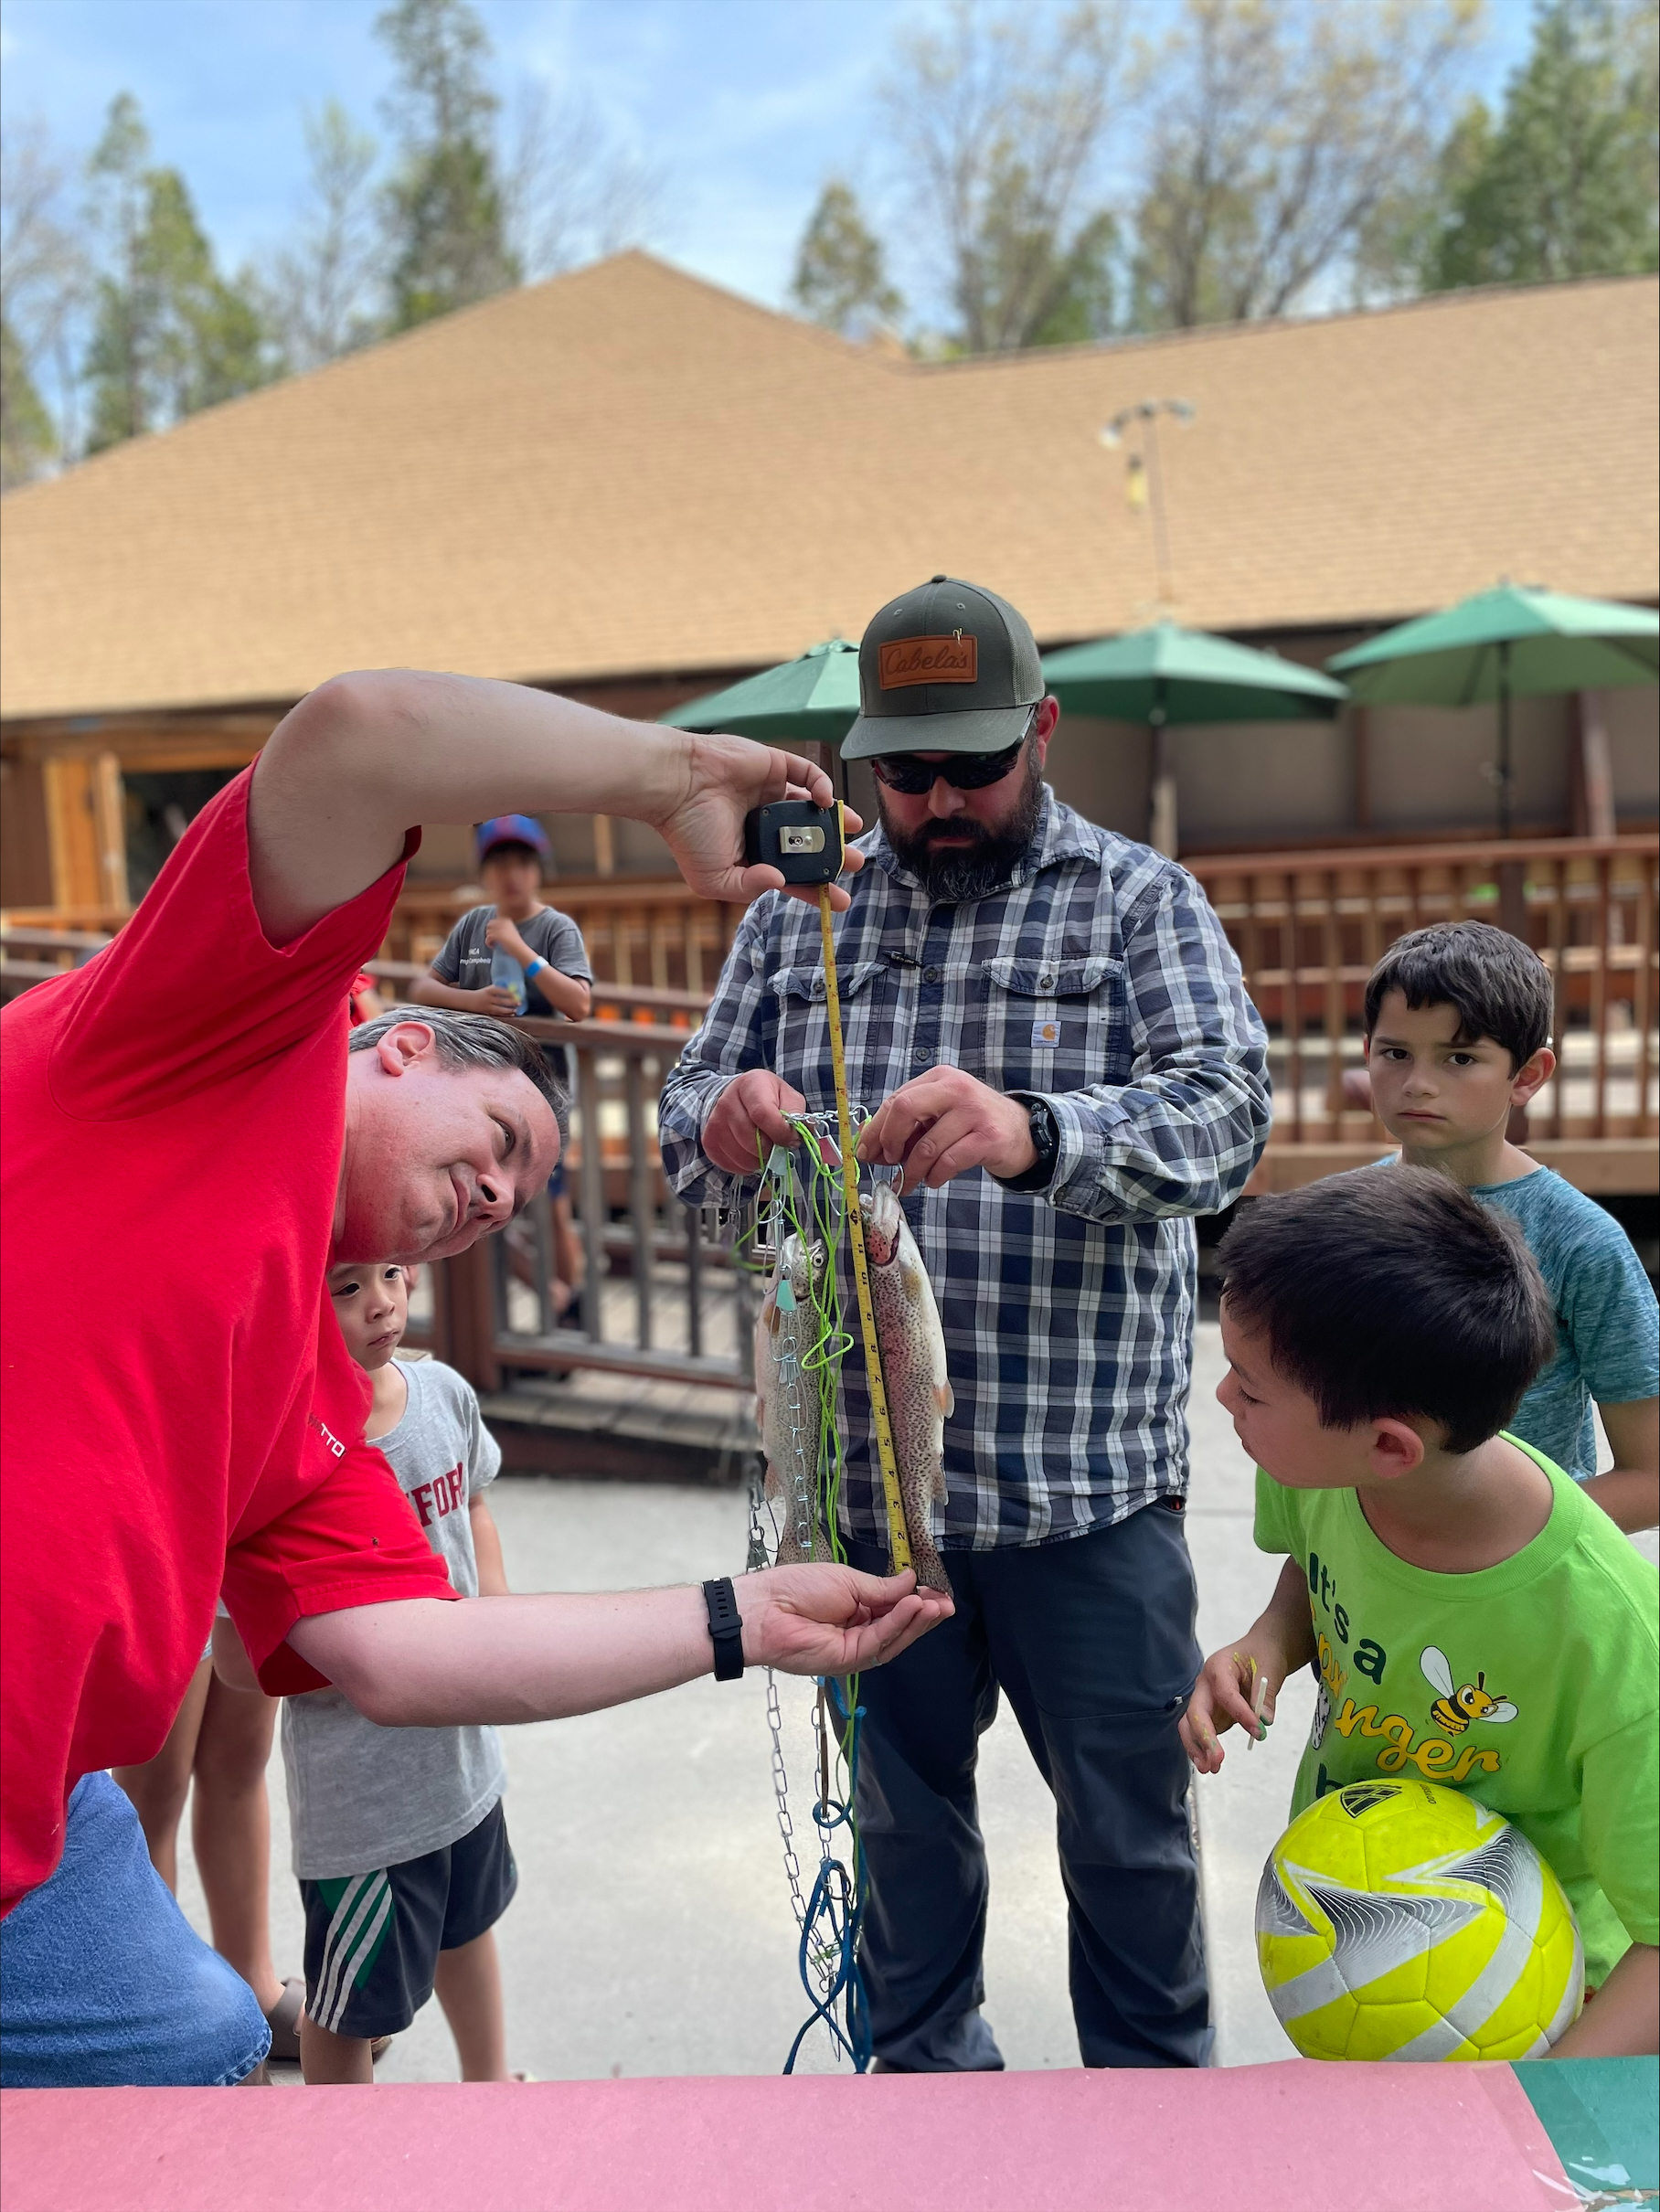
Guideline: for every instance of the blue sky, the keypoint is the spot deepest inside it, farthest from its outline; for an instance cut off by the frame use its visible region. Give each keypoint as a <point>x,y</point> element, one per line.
<point>743,105</point>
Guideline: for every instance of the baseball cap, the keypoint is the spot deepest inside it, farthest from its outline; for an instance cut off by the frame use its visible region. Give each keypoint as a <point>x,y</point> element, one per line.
<point>949,667</point>
<point>511,829</point>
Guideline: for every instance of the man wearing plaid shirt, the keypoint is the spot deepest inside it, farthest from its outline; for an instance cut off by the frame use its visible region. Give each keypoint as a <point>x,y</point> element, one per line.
<point>1053,1031</point>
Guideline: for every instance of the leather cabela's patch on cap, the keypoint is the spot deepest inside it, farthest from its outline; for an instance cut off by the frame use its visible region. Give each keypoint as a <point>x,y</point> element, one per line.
<point>950,659</point>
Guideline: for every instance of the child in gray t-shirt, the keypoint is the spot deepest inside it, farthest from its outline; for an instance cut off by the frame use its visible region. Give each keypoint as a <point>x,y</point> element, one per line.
<point>544,950</point>
<point>399,1840</point>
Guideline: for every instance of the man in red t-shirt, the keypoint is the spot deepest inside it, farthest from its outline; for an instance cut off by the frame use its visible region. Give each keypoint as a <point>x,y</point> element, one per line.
<point>190,1089</point>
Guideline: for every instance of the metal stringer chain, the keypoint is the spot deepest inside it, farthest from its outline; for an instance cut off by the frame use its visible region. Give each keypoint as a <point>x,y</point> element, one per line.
<point>757,1558</point>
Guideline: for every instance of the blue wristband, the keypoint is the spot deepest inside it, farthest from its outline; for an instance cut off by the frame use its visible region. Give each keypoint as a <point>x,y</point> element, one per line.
<point>536,967</point>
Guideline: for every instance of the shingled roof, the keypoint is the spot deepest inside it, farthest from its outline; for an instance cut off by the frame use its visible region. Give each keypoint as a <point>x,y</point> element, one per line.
<point>627,471</point>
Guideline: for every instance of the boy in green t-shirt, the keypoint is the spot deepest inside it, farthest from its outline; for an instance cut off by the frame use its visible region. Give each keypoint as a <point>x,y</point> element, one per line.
<point>1472,1618</point>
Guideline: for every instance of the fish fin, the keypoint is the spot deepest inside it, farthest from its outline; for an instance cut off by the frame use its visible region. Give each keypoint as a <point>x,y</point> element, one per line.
<point>945,1398</point>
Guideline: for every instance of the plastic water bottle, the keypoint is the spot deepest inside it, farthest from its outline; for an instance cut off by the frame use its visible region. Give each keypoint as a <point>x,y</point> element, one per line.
<point>507,975</point>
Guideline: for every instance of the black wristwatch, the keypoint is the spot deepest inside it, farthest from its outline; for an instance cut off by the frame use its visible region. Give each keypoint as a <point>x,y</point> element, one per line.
<point>726,1629</point>
<point>1046,1143</point>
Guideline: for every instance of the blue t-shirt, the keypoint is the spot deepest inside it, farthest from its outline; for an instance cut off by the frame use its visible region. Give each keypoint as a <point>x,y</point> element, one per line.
<point>1608,1332</point>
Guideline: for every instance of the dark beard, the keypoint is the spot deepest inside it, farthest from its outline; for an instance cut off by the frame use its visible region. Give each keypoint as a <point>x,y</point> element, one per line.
<point>954,876</point>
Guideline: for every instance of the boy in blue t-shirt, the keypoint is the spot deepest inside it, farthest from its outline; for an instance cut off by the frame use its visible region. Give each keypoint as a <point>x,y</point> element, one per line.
<point>1457,1034</point>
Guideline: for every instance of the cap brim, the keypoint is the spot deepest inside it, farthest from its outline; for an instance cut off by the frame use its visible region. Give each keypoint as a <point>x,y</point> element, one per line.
<point>984,729</point>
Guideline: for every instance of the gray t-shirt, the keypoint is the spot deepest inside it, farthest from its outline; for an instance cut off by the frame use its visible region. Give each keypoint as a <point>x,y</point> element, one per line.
<point>362,1797</point>
<point>464,963</point>
<point>1608,1332</point>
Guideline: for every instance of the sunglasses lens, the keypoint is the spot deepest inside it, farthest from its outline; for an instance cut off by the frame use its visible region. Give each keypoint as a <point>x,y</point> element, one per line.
<point>902,772</point>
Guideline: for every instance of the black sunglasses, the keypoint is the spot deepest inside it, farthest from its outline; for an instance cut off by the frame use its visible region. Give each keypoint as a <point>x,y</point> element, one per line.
<point>906,773</point>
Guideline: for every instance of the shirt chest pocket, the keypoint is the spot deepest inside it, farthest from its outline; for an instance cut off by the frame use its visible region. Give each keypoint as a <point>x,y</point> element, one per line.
<point>1055,1025</point>
<point>802,1054</point>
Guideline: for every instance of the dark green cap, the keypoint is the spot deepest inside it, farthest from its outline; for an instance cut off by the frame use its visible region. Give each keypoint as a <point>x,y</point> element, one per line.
<point>950,667</point>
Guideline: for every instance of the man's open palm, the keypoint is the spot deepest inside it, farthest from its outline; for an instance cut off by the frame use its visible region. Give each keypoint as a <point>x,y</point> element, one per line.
<point>832,1620</point>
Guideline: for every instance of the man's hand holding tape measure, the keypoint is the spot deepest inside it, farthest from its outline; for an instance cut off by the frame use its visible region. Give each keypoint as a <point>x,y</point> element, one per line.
<point>723,784</point>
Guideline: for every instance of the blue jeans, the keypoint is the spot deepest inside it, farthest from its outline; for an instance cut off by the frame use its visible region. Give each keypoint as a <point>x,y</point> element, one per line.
<point>104,1984</point>
<point>1091,1642</point>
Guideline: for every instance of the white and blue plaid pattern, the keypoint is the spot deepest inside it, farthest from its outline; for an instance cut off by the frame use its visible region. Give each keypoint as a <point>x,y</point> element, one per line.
<point>1100,980</point>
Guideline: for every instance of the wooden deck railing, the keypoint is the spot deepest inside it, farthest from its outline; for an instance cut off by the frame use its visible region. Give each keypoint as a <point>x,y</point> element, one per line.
<point>660,1298</point>
<point>1309,927</point>
<point>647,932</point>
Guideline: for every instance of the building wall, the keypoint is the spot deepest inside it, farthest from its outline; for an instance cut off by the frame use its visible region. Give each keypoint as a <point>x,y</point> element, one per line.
<point>1412,771</point>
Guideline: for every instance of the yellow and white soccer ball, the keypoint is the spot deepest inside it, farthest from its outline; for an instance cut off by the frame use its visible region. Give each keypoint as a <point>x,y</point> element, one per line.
<point>1399,1920</point>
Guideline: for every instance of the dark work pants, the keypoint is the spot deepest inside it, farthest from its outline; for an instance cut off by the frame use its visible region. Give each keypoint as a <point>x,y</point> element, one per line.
<point>1092,1641</point>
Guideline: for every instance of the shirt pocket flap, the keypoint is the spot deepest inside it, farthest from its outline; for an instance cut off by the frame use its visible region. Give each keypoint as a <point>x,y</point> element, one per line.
<point>1051,978</point>
<point>809,982</point>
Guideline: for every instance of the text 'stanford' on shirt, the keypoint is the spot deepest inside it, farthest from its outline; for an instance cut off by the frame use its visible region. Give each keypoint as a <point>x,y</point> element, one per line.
<point>359,1796</point>
<point>1608,1326</point>
<point>1099,980</point>
<point>176,1110</point>
<point>1564,1631</point>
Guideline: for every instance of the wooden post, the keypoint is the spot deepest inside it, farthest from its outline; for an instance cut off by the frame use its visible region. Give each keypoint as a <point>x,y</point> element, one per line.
<point>86,829</point>
<point>468,1315</point>
<point>1592,777</point>
<point>604,846</point>
<point>1360,752</point>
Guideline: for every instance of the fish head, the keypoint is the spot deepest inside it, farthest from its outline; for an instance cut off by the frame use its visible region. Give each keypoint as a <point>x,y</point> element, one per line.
<point>883,1223</point>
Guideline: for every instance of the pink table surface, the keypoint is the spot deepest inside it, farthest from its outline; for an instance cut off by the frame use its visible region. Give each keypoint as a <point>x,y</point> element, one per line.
<point>1296,2137</point>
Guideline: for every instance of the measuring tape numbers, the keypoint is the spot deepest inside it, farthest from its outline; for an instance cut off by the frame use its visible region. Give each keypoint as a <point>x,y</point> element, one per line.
<point>898,1540</point>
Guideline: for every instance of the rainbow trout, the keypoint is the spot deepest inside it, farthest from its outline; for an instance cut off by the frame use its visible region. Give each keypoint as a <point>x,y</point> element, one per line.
<point>787,1402</point>
<point>914,1371</point>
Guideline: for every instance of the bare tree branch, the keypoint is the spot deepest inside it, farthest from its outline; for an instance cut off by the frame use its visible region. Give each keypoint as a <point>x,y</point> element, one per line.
<point>570,192</point>
<point>45,274</point>
<point>999,128</point>
<point>1279,132</point>
<point>321,288</point>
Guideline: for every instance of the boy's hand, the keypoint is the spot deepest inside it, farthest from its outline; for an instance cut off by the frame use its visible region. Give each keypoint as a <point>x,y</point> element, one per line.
<point>493,998</point>
<point>506,933</point>
<point>1222,1698</point>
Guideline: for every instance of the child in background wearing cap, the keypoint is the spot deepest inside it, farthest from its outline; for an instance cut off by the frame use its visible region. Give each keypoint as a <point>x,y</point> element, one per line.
<point>548,945</point>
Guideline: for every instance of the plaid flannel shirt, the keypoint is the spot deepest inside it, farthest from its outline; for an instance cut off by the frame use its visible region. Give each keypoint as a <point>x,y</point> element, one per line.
<point>1100,981</point>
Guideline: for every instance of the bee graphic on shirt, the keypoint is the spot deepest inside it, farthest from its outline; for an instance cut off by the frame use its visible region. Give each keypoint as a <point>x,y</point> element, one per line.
<point>1454,1709</point>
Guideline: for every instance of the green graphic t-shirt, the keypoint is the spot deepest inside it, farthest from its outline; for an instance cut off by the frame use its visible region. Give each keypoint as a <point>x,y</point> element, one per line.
<point>1531,1684</point>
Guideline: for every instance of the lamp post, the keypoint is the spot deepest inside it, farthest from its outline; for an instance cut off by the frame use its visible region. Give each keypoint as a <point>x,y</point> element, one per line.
<point>1144,487</point>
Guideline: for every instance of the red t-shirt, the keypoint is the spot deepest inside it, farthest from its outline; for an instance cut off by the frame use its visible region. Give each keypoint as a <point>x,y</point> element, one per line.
<point>179,1411</point>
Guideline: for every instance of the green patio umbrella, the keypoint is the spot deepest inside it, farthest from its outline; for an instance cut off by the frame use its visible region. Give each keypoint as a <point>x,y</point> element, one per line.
<point>1165,674</point>
<point>1512,642</point>
<point>811,699</point>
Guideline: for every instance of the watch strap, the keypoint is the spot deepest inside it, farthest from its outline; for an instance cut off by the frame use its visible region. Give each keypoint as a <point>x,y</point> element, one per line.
<point>1046,1145</point>
<point>726,1628</point>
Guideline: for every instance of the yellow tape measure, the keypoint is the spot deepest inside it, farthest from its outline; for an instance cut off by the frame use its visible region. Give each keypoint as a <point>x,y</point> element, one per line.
<point>899,1541</point>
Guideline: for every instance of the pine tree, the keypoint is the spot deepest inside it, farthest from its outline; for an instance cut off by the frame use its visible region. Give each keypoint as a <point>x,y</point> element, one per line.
<point>27,441</point>
<point>1565,184</point>
<point>444,207</point>
<point>169,335</point>
<point>840,280</point>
